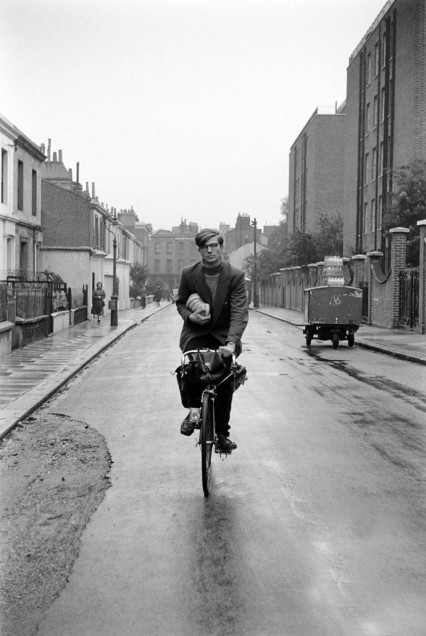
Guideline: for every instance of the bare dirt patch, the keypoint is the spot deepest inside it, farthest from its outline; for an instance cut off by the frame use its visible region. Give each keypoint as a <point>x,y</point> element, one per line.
<point>53,476</point>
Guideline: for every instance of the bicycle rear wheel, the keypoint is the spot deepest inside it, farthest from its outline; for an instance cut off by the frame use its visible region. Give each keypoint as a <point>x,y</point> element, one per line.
<point>206,440</point>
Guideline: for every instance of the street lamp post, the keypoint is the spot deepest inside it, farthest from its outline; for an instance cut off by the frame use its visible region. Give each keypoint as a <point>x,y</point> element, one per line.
<point>114,297</point>
<point>255,282</point>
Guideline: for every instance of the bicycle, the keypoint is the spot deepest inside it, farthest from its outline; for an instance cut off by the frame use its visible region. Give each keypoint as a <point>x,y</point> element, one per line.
<point>209,367</point>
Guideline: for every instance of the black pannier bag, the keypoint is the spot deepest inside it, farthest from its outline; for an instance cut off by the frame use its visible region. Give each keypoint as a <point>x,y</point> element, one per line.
<point>204,367</point>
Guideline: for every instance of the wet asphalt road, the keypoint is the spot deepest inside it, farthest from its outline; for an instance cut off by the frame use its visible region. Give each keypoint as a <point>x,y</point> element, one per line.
<point>315,526</point>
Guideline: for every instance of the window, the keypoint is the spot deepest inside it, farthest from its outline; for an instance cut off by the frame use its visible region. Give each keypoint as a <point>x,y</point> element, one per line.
<point>376,59</point>
<point>23,257</point>
<point>373,164</point>
<point>369,68</point>
<point>364,218</point>
<point>373,215</point>
<point>367,118</point>
<point>380,212</point>
<point>382,105</point>
<point>156,248</point>
<point>9,257</point>
<point>169,248</point>
<point>3,176</point>
<point>366,168</point>
<point>34,193</point>
<point>96,231</point>
<point>384,50</point>
<point>381,159</point>
<point>375,111</point>
<point>20,185</point>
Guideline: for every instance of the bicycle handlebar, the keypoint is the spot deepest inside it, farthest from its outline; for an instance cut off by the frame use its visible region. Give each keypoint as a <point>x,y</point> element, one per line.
<point>205,350</point>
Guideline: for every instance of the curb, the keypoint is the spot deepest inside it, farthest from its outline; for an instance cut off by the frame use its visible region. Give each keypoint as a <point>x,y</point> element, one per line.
<point>363,345</point>
<point>387,352</point>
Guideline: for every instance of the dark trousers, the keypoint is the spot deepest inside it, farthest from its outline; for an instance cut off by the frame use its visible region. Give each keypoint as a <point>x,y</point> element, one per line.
<point>225,391</point>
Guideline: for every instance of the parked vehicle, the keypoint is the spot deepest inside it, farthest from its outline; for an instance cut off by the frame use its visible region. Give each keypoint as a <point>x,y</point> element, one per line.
<point>332,312</point>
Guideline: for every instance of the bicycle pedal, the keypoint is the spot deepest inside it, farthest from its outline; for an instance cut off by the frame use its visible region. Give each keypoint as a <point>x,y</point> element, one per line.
<point>221,452</point>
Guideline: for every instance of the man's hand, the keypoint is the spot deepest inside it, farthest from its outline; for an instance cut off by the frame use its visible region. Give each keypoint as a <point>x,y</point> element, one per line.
<point>227,349</point>
<point>199,318</point>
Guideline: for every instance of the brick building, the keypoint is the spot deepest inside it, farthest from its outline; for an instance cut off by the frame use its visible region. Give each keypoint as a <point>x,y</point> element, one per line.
<point>79,234</point>
<point>169,251</point>
<point>316,171</point>
<point>385,117</point>
<point>243,234</point>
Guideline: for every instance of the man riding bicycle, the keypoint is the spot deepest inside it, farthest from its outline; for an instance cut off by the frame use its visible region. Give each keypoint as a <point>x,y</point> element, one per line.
<point>212,301</point>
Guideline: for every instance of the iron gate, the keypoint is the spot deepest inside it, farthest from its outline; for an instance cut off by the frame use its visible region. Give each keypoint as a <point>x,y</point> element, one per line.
<point>409,297</point>
<point>364,287</point>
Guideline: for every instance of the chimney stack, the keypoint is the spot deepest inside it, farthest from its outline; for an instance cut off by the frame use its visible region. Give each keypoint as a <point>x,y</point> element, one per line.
<point>55,158</point>
<point>77,178</point>
<point>48,150</point>
<point>43,148</point>
<point>93,191</point>
<point>70,173</point>
<point>60,156</point>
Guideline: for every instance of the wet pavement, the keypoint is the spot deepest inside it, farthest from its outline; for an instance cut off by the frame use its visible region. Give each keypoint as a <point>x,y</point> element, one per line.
<point>29,376</point>
<point>401,343</point>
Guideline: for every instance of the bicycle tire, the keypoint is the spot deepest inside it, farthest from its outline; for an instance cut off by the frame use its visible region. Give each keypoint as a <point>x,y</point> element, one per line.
<point>206,440</point>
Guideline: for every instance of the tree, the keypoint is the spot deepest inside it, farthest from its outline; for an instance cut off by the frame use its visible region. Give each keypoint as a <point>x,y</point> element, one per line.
<point>268,262</point>
<point>407,205</point>
<point>329,238</point>
<point>138,274</point>
<point>306,247</point>
<point>301,249</point>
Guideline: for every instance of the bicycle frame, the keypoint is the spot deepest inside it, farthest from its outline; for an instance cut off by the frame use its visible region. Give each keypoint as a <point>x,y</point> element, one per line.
<point>207,438</point>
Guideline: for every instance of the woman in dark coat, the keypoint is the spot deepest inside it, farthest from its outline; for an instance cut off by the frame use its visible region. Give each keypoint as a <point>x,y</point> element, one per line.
<point>98,302</point>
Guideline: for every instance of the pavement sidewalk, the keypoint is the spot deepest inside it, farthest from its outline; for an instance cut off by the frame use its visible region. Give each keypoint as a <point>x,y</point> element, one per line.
<point>31,375</point>
<point>401,343</point>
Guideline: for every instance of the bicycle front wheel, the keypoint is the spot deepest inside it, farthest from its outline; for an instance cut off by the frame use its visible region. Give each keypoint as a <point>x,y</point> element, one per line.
<point>206,440</point>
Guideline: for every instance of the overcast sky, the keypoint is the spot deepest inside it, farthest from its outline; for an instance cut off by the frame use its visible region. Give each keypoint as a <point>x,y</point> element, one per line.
<point>179,108</point>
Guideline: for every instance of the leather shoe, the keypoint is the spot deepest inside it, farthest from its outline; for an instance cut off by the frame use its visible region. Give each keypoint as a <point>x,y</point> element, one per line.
<point>224,444</point>
<point>190,422</point>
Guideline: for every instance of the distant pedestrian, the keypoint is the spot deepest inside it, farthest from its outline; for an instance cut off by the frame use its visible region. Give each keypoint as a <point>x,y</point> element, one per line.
<point>98,302</point>
<point>143,297</point>
<point>158,295</point>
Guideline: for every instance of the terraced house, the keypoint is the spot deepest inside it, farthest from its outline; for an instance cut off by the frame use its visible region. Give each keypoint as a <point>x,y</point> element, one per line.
<point>21,233</point>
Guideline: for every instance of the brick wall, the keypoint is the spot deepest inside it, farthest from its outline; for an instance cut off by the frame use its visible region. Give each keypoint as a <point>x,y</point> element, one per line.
<point>286,288</point>
<point>65,217</point>
<point>28,331</point>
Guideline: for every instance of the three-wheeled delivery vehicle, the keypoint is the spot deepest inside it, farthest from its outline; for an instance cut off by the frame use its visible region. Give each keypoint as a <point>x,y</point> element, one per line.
<point>332,312</point>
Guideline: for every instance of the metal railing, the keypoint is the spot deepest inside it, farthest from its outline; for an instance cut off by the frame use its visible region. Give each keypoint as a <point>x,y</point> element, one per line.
<point>409,297</point>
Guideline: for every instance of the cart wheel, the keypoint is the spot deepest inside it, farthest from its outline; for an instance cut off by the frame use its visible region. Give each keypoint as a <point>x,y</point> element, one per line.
<point>335,340</point>
<point>351,340</point>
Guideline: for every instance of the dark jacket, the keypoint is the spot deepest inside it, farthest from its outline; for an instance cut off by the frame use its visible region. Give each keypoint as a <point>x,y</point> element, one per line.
<point>229,313</point>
